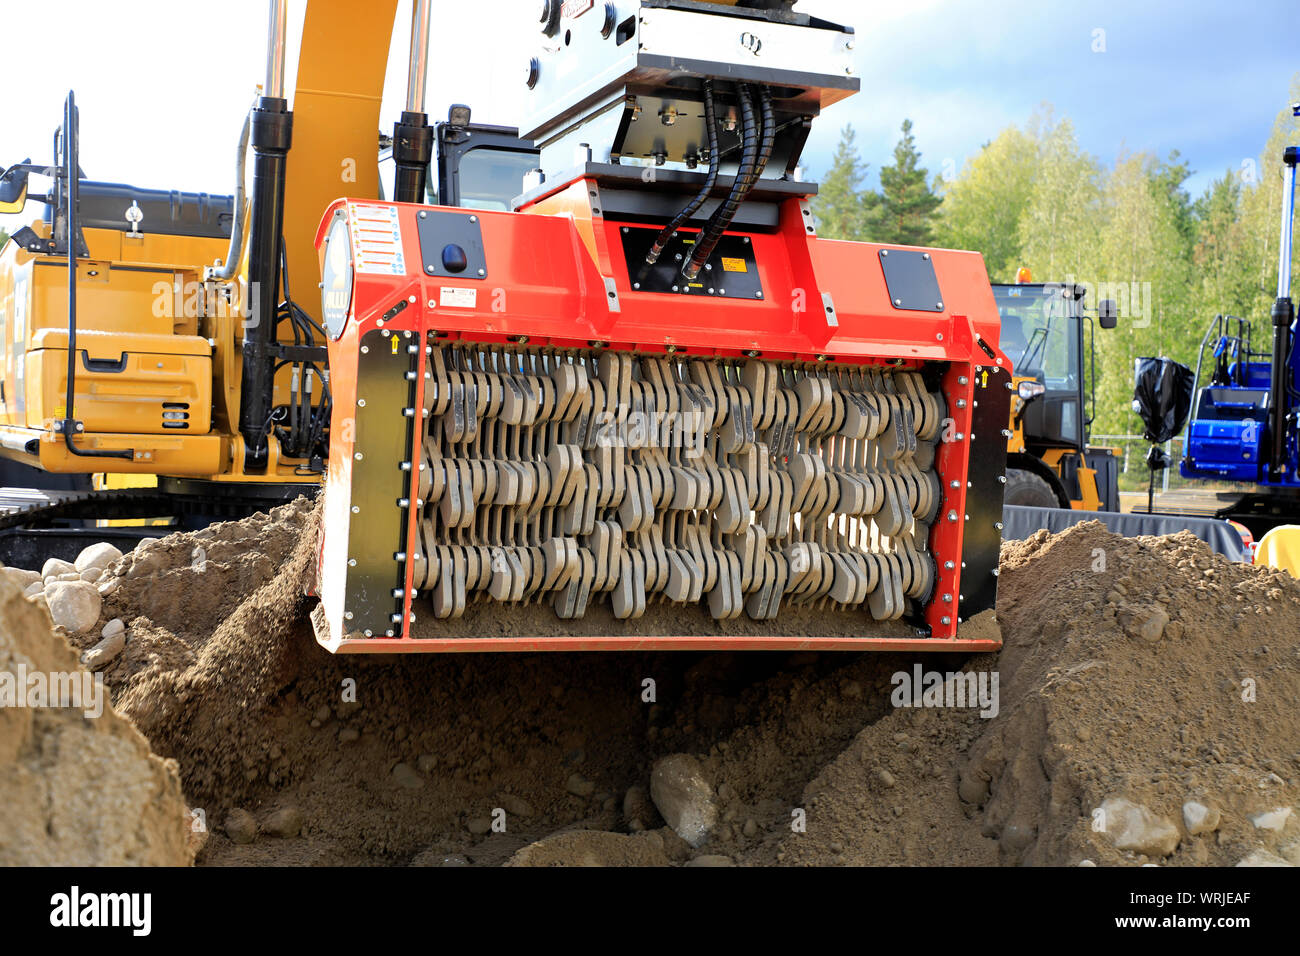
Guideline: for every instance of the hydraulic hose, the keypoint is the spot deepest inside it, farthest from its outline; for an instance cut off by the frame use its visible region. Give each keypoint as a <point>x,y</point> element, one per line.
<point>226,271</point>
<point>747,175</point>
<point>710,181</point>
<point>769,133</point>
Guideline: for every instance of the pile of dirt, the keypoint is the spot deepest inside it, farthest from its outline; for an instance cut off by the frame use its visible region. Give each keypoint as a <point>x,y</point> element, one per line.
<point>1138,675</point>
<point>78,783</point>
<point>1146,670</point>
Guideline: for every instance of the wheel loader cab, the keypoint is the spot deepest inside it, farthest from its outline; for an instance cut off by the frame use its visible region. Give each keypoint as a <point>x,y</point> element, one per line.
<point>1051,462</point>
<point>1044,337</point>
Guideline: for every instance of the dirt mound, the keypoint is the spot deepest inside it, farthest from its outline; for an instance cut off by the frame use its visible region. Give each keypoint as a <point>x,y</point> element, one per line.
<point>78,784</point>
<point>1147,669</point>
<point>1122,678</point>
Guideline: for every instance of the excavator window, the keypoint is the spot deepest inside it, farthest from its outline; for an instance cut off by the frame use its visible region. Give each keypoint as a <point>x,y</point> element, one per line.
<point>490,178</point>
<point>481,166</point>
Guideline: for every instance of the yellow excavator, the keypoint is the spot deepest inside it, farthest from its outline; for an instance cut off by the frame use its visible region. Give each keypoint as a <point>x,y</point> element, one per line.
<point>616,373</point>
<point>176,335</point>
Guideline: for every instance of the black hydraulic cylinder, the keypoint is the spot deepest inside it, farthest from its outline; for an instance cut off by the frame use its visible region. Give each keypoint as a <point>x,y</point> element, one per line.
<point>272,133</point>
<point>1283,314</point>
<point>412,151</point>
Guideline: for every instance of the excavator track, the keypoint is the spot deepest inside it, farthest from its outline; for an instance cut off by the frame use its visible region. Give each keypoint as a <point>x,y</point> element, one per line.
<point>37,524</point>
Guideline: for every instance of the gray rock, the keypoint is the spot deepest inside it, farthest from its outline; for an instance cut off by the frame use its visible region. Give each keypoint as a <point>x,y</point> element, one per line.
<point>24,579</point>
<point>115,626</point>
<point>74,605</point>
<point>1199,818</point>
<point>35,588</point>
<point>711,859</point>
<point>638,811</point>
<point>284,823</point>
<point>91,575</point>
<point>579,786</point>
<point>1274,819</point>
<point>684,797</point>
<point>105,652</point>
<point>1146,623</point>
<point>1132,826</point>
<point>516,806</point>
<point>348,734</point>
<point>1263,858</point>
<point>426,763</point>
<point>479,825</point>
<point>404,775</point>
<point>240,826</point>
<point>98,556</point>
<point>56,566</point>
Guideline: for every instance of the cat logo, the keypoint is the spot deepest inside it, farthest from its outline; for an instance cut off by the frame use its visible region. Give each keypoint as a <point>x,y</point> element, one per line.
<point>751,43</point>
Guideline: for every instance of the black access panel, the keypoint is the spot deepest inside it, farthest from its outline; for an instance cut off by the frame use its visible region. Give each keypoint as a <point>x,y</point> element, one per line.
<point>910,278</point>
<point>982,536</point>
<point>451,244</point>
<point>731,272</point>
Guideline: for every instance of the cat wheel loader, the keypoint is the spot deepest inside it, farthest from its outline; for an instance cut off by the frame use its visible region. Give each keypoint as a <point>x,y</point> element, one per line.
<point>1050,461</point>
<point>636,402</point>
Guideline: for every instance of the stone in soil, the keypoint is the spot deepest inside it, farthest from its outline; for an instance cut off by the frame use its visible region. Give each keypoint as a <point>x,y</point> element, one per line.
<point>684,798</point>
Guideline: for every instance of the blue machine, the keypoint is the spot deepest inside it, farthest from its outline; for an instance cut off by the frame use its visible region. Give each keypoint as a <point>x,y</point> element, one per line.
<point>1243,427</point>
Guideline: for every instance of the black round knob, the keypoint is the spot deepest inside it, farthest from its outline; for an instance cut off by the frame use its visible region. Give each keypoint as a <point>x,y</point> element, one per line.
<point>551,10</point>
<point>454,258</point>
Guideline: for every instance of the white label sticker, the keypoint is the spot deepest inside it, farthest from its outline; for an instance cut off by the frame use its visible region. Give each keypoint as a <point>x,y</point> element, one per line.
<point>456,298</point>
<point>376,239</point>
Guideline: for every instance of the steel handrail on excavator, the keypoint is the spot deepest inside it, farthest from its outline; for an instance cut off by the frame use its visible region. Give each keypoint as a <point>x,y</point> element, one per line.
<point>67,187</point>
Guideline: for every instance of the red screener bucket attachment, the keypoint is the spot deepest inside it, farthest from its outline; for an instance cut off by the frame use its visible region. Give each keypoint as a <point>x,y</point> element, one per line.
<point>650,408</point>
<point>529,452</point>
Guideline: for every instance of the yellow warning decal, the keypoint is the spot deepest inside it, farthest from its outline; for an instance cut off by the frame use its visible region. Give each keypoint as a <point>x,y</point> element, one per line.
<point>734,265</point>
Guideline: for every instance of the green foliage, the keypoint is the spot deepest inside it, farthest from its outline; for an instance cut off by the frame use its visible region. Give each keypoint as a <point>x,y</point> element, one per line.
<point>907,201</point>
<point>1126,228</point>
<point>841,204</point>
<point>982,209</point>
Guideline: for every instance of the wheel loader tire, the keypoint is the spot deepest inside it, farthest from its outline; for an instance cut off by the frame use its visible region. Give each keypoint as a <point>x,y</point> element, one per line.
<point>1026,488</point>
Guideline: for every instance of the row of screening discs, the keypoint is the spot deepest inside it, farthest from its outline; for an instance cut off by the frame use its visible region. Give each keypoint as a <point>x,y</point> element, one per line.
<point>576,477</point>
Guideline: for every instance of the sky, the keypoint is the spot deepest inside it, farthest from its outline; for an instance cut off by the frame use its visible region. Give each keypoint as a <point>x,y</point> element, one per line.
<point>163,85</point>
